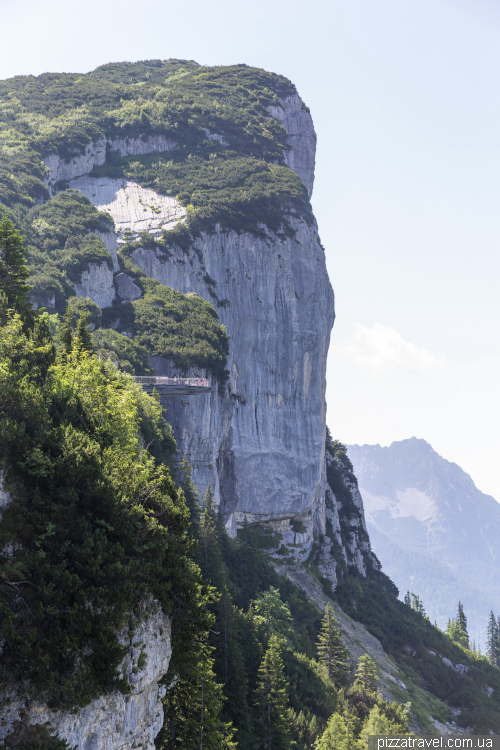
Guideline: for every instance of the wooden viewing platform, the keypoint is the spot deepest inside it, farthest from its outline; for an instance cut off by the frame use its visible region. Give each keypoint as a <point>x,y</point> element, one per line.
<point>173,386</point>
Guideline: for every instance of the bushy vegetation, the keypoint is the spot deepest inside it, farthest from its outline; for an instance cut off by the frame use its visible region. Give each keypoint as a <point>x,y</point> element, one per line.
<point>122,351</point>
<point>61,243</point>
<point>96,529</point>
<point>237,181</point>
<point>282,665</point>
<point>169,324</point>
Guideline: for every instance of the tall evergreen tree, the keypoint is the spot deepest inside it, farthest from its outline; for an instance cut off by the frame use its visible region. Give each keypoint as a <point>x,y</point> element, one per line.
<point>271,698</point>
<point>492,641</point>
<point>210,559</point>
<point>366,679</point>
<point>462,622</point>
<point>184,476</point>
<point>417,604</point>
<point>193,705</point>
<point>14,272</point>
<point>331,649</point>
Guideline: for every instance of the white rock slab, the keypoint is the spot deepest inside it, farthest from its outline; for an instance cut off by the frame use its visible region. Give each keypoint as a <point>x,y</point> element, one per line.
<point>131,206</point>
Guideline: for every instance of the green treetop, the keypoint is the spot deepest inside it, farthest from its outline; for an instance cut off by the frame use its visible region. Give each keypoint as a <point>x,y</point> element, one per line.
<point>272,613</point>
<point>493,641</point>
<point>366,676</point>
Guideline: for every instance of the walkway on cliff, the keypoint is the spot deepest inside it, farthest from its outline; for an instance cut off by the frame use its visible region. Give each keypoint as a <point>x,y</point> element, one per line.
<point>174,386</point>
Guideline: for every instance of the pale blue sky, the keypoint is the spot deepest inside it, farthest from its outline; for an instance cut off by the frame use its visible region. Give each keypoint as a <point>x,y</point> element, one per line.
<point>405,96</point>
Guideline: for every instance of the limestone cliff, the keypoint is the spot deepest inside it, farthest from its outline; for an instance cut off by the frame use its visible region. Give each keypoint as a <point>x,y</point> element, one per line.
<point>112,721</point>
<point>260,441</point>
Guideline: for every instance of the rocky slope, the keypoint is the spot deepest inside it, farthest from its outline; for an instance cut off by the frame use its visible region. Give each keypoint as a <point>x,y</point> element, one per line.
<point>435,533</point>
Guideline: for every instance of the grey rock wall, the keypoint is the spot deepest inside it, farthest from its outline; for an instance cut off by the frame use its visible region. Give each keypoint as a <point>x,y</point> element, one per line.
<point>94,155</point>
<point>97,284</point>
<point>113,721</point>
<point>262,444</point>
<point>297,121</point>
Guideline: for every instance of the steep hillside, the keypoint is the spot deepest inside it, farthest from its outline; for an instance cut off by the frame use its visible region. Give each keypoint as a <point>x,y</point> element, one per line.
<point>435,533</point>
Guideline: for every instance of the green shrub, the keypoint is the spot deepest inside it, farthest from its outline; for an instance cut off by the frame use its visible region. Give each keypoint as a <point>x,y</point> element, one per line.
<point>126,353</point>
<point>169,324</point>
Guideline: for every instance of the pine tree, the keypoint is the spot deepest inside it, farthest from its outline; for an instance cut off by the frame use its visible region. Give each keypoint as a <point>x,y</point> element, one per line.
<point>14,272</point>
<point>271,697</point>
<point>417,605</point>
<point>331,649</point>
<point>492,641</point>
<point>462,621</point>
<point>407,599</point>
<point>193,706</point>
<point>209,553</point>
<point>366,677</point>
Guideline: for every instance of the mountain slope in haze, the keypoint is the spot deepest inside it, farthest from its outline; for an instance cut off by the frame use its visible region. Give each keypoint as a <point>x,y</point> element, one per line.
<point>434,532</point>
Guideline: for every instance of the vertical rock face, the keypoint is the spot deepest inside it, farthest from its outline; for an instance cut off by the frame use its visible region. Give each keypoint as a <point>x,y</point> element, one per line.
<point>81,163</point>
<point>112,721</point>
<point>260,439</point>
<point>262,447</point>
<point>97,284</point>
<point>294,116</point>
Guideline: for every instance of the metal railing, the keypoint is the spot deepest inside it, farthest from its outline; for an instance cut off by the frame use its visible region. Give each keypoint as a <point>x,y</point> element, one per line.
<point>157,380</point>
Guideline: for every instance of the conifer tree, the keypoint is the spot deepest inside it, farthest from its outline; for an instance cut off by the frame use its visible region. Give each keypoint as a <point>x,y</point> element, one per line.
<point>272,613</point>
<point>185,480</point>
<point>83,335</point>
<point>271,697</point>
<point>336,734</point>
<point>331,649</point>
<point>417,604</point>
<point>209,552</point>
<point>407,599</point>
<point>492,641</point>
<point>462,622</point>
<point>366,676</point>
<point>14,272</point>
<point>193,705</point>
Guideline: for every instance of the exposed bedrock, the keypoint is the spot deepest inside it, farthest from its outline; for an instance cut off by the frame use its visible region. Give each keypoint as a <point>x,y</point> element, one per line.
<point>294,116</point>
<point>94,155</point>
<point>113,721</point>
<point>261,446</point>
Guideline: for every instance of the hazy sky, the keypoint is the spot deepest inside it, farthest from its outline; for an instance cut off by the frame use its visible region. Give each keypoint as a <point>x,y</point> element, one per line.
<point>406,103</point>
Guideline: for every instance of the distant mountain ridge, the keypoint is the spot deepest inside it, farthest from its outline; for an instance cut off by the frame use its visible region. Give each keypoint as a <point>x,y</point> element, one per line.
<point>434,532</point>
